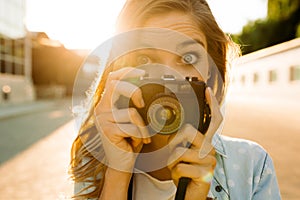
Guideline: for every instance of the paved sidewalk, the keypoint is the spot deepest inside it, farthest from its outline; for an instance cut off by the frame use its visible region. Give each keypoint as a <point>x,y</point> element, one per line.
<point>17,109</point>
<point>40,172</point>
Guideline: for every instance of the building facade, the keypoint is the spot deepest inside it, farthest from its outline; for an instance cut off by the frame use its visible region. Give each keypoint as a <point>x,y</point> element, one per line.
<point>15,54</point>
<point>273,72</point>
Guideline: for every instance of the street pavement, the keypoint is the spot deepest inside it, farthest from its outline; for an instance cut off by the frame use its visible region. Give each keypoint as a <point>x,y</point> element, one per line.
<point>40,171</point>
<point>24,124</point>
<point>274,124</point>
<point>35,143</point>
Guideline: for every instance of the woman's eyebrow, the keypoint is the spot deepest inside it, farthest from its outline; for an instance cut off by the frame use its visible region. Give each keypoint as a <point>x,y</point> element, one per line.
<point>190,42</point>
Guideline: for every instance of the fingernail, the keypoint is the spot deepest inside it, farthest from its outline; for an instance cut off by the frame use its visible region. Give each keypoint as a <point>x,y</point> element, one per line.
<point>205,149</point>
<point>210,90</point>
<point>142,103</point>
<point>147,140</point>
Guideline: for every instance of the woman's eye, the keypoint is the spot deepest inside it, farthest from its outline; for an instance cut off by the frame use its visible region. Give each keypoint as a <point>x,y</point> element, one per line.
<point>189,58</point>
<point>143,59</point>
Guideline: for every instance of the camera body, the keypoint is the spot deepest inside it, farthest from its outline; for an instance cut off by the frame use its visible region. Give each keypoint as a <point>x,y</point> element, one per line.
<point>170,103</point>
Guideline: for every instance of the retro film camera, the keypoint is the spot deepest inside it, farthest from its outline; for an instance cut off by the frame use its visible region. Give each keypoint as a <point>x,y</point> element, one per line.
<point>170,103</point>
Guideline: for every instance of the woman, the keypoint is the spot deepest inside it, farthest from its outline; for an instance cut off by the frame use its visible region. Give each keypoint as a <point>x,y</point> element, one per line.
<point>113,167</point>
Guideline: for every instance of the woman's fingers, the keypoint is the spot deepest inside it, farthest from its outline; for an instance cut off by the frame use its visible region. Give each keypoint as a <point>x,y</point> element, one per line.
<point>124,116</point>
<point>190,135</point>
<point>191,156</point>
<point>115,87</point>
<point>216,114</point>
<point>186,163</point>
<point>119,152</point>
<point>113,92</point>
<point>115,134</point>
<point>122,131</point>
<point>187,136</point>
<point>216,120</point>
<point>195,172</point>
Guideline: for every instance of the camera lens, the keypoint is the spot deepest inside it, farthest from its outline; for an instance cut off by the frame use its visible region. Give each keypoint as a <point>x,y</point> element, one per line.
<point>165,114</point>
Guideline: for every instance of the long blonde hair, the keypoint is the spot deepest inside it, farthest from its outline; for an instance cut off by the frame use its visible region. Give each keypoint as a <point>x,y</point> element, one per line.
<point>85,167</point>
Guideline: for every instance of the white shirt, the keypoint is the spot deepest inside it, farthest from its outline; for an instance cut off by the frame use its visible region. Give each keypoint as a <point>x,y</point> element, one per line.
<point>147,187</point>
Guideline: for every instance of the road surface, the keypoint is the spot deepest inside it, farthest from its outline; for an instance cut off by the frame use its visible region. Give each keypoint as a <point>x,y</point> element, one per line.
<point>274,124</point>
<point>20,132</point>
<point>34,153</point>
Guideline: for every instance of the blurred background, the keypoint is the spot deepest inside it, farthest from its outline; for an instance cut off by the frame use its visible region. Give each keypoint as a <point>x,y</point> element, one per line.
<point>43,44</point>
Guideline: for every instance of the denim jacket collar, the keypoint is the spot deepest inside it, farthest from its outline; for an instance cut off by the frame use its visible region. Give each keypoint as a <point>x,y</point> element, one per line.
<point>218,145</point>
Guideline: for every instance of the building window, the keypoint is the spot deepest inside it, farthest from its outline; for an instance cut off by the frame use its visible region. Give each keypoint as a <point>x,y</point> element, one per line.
<point>8,67</point>
<point>295,73</point>
<point>12,56</point>
<point>2,66</point>
<point>272,76</point>
<point>19,48</point>
<point>243,79</point>
<point>1,45</point>
<point>8,46</point>
<point>255,78</point>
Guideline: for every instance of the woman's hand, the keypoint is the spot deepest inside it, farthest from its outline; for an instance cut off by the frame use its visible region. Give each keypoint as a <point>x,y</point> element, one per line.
<point>198,160</point>
<point>123,131</point>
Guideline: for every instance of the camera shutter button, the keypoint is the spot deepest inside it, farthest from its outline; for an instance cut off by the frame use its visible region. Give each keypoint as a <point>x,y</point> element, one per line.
<point>191,78</point>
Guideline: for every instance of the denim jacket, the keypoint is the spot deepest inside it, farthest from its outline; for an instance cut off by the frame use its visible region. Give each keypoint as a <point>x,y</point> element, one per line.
<point>244,171</point>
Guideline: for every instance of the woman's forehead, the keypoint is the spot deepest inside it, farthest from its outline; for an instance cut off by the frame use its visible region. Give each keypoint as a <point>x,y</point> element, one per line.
<point>155,38</point>
<point>167,40</point>
<point>177,22</point>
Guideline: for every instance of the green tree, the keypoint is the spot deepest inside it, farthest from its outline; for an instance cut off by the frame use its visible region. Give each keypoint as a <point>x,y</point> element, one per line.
<point>278,9</point>
<point>281,25</point>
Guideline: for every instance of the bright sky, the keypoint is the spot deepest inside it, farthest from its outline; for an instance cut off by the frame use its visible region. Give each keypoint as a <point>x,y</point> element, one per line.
<point>87,23</point>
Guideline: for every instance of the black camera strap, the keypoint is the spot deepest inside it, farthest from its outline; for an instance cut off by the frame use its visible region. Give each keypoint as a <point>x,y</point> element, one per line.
<point>181,189</point>
<point>130,189</point>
